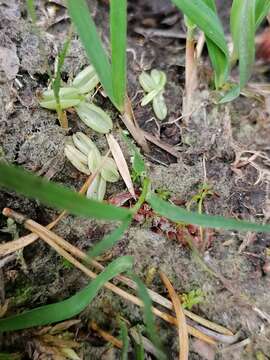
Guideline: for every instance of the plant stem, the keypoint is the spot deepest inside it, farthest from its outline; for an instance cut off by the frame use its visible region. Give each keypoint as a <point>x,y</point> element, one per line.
<point>190,72</point>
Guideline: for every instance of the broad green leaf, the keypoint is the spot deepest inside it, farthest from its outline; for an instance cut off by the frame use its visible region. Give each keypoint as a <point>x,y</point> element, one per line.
<point>68,97</point>
<point>118,29</point>
<point>68,308</point>
<point>125,340</point>
<point>148,315</point>
<point>231,95</point>
<point>94,117</point>
<point>176,213</point>
<point>203,14</point>
<point>109,240</point>
<point>86,80</point>
<point>57,196</point>
<point>261,11</point>
<point>81,17</point>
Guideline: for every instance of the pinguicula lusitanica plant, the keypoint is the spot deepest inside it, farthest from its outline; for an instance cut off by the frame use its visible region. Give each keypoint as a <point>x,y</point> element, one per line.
<point>153,85</point>
<point>85,156</point>
<point>110,67</point>
<point>77,95</point>
<point>245,18</point>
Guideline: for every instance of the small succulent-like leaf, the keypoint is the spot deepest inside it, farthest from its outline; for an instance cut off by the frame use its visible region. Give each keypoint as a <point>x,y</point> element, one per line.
<point>159,106</point>
<point>68,97</point>
<point>109,170</point>
<point>77,159</point>
<point>150,96</point>
<point>86,80</point>
<point>159,78</point>
<point>94,159</point>
<point>146,82</point>
<point>83,142</point>
<point>97,189</point>
<point>94,117</point>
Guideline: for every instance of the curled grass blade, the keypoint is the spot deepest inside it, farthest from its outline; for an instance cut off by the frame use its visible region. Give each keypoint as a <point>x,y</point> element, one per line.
<point>176,213</point>
<point>110,240</point>
<point>81,17</point>
<point>68,308</point>
<point>118,28</point>
<point>57,196</point>
<point>202,13</point>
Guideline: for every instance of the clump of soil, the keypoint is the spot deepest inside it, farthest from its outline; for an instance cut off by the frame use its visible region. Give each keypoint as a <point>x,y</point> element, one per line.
<point>210,146</point>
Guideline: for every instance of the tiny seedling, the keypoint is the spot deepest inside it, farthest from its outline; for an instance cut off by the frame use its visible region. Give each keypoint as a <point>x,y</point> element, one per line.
<point>192,298</point>
<point>85,157</point>
<point>154,85</point>
<point>76,96</point>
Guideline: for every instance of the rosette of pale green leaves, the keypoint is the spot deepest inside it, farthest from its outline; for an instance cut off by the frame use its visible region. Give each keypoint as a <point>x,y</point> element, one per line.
<point>76,96</point>
<point>154,85</point>
<point>85,156</point>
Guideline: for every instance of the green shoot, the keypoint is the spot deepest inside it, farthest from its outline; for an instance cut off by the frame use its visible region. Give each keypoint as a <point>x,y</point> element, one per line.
<point>112,76</point>
<point>68,308</point>
<point>56,84</point>
<point>125,340</point>
<point>118,28</point>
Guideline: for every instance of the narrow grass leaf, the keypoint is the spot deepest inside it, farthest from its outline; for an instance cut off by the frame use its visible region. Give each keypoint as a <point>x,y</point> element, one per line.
<point>261,10</point>
<point>125,340</point>
<point>68,308</point>
<point>246,45</point>
<point>57,196</point>
<point>57,80</point>
<point>203,14</point>
<point>81,17</point>
<point>148,315</point>
<point>176,213</point>
<point>32,11</point>
<point>110,240</point>
<point>118,28</point>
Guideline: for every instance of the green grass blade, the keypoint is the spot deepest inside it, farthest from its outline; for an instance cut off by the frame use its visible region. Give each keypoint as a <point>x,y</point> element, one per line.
<point>81,17</point>
<point>125,340</point>
<point>246,44</point>
<point>32,11</point>
<point>148,315</point>
<point>139,349</point>
<point>61,59</point>
<point>219,62</point>
<point>203,14</point>
<point>110,240</point>
<point>118,28</point>
<point>57,196</point>
<point>261,10</point>
<point>176,213</point>
<point>68,308</point>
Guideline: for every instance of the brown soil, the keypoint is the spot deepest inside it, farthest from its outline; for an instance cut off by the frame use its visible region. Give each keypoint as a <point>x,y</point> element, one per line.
<point>208,146</point>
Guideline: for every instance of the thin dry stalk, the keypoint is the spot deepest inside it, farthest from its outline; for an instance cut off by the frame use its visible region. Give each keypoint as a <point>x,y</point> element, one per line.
<point>105,335</point>
<point>42,233</point>
<point>164,146</point>
<point>129,120</point>
<point>180,316</point>
<point>121,163</point>
<point>190,74</point>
